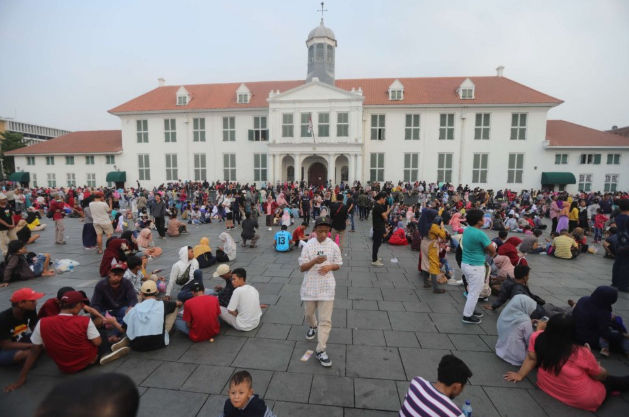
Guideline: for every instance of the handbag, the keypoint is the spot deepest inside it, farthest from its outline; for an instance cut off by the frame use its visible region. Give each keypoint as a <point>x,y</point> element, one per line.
<point>185,277</point>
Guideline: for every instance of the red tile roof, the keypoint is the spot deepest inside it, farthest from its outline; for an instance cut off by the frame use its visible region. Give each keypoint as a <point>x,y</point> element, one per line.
<point>442,90</point>
<point>81,142</point>
<point>562,133</point>
<point>622,131</point>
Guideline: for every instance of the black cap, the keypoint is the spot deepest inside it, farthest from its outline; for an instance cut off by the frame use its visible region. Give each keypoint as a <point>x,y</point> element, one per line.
<point>323,220</point>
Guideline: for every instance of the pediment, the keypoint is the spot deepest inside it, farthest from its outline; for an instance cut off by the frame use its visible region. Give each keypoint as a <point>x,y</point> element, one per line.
<point>315,90</point>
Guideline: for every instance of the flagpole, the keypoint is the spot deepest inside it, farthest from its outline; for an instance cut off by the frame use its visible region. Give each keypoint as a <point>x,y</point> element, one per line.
<point>311,127</point>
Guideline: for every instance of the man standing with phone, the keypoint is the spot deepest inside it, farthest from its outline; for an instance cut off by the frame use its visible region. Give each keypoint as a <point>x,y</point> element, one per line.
<point>319,258</point>
<point>379,219</point>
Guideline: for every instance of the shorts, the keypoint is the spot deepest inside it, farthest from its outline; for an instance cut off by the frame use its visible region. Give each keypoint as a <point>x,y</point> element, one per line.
<point>38,265</point>
<point>106,228</point>
<point>7,356</point>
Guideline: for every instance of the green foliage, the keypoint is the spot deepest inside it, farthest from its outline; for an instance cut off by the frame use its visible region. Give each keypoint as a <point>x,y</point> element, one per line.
<point>8,142</point>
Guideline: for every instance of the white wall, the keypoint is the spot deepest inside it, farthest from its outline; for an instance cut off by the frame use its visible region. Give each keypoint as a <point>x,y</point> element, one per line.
<point>40,170</point>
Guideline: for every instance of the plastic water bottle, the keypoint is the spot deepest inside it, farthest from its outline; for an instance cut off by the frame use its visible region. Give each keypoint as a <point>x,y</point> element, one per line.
<point>70,268</point>
<point>467,409</point>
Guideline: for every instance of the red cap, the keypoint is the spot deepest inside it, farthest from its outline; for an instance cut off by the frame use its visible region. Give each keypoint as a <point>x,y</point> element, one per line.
<point>73,297</point>
<point>120,266</point>
<point>26,294</point>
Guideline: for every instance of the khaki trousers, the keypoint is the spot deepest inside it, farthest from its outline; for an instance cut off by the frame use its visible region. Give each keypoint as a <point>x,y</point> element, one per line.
<point>323,311</point>
<point>169,320</point>
<point>59,231</point>
<point>5,237</point>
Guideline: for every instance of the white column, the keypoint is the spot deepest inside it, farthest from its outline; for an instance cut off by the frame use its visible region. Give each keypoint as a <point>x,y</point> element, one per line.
<point>350,168</point>
<point>277,167</point>
<point>332,168</point>
<point>359,168</point>
<point>297,159</point>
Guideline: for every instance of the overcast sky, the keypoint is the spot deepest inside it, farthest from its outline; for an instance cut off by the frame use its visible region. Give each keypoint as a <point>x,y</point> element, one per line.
<point>65,63</point>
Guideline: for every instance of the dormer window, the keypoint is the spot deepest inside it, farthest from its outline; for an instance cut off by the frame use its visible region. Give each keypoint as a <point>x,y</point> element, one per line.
<point>243,95</point>
<point>396,91</point>
<point>466,90</point>
<point>183,97</point>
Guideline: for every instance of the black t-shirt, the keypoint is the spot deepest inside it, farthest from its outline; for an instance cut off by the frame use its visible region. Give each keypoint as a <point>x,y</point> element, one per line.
<point>225,295</point>
<point>17,330</point>
<point>156,341</point>
<point>248,228</point>
<point>338,211</point>
<point>305,202</point>
<point>6,214</point>
<point>378,221</point>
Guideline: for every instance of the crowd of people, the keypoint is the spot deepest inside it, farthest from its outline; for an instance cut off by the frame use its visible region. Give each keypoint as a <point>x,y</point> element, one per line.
<point>135,308</point>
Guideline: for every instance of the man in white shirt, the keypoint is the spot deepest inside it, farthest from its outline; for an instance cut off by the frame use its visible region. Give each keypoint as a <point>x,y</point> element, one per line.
<point>243,311</point>
<point>102,223</point>
<point>319,257</point>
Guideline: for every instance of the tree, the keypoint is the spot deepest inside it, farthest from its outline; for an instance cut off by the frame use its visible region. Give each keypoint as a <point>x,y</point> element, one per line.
<point>9,142</point>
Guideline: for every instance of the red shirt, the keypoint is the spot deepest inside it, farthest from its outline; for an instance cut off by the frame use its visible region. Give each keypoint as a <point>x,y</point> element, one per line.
<point>201,313</point>
<point>298,234</point>
<point>50,308</point>
<point>65,338</point>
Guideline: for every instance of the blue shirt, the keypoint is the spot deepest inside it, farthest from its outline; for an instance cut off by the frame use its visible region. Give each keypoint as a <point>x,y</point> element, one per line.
<point>474,243</point>
<point>282,240</point>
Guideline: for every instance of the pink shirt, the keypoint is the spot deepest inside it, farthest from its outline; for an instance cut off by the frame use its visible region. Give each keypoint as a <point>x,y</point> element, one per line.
<point>574,386</point>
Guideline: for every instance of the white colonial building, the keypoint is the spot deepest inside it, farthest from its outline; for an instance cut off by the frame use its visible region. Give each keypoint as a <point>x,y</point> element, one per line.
<point>490,132</point>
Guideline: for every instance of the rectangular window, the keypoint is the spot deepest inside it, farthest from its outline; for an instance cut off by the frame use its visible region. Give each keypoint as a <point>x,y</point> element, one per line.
<point>259,133</point>
<point>30,160</point>
<point>411,131</point>
<point>243,98</point>
<point>200,170</point>
<point>444,167</point>
<point>69,160</point>
<point>411,167</point>
<point>585,182</point>
<point>50,160</point>
<point>259,167</point>
<point>613,159</point>
<point>324,125</point>
<point>171,167</point>
<point>142,129</point>
<point>229,129</point>
<point>342,124</point>
<point>479,168</point>
<point>305,124</point>
<point>91,180</point>
<point>518,126</point>
<point>446,126</point>
<point>395,95</point>
<point>376,171</point>
<point>611,181</point>
<point>287,125</point>
<point>198,129</point>
<point>561,158</point>
<point>71,176</point>
<point>516,168</point>
<point>170,130</point>
<point>89,160</point>
<point>377,127</point>
<point>52,179</point>
<point>590,158</point>
<point>110,159</point>
<point>481,129</point>
<point>144,168</point>
<point>34,179</point>
<point>229,167</point>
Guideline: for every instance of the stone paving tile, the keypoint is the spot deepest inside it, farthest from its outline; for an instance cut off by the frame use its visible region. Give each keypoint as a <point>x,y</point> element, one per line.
<point>410,321</point>
<point>138,369</point>
<point>169,375</point>
<point>274,331</point>
<point>368,337</point>
<point>208,379</point>
<point>223,351</point>
<point>395,338</point>
<point>367,319</point>
<point>310,410</point>
<point>165,402</point>
<point>289,387</point>
<point>391,306</point>
<point>360,293</point>
<point>555,408</point>
<point>365,305</point>
<point>376,394</point>
<point>359,412</point>
<point>374,362</point>
<point>266,354</point>
<point>481,404</point>
<point>434,341</point>
<point>451,323</point>
<point>514,402</point>
<point>332,390</point>
<point>488,369</point>
<point>421,362</point>
<point>468,342</point>
<point>213,406</point>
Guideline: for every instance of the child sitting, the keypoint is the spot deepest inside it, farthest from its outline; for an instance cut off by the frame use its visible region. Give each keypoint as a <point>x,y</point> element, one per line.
<point>242,401</point>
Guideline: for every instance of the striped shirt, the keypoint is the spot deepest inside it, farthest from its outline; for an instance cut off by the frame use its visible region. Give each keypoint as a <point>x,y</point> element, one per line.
<point>422,399</point>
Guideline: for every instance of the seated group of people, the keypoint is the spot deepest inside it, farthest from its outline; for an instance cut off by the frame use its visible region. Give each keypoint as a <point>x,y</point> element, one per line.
<point>122,315</point>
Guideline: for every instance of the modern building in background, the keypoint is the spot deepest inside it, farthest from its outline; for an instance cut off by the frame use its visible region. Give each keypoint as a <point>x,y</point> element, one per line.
<point>32,133</point>
<point>488,131</point>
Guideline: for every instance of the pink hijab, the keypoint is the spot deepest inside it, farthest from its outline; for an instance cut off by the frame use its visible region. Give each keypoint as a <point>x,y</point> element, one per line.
<point>145,238</point>
<point>504,265</point>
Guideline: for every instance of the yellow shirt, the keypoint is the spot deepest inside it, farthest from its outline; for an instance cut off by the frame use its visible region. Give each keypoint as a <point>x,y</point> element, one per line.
<point>574,214</point>
<point>562,245</point>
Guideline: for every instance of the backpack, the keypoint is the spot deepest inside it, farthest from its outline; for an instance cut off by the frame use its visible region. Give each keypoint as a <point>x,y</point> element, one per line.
<point>184,277</point>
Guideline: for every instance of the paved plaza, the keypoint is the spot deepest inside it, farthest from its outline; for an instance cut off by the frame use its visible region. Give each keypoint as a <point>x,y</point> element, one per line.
<point>387,329</point>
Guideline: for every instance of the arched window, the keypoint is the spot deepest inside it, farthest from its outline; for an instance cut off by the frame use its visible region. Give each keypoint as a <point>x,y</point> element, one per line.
<point>345,173</point>
<point>290,174</point>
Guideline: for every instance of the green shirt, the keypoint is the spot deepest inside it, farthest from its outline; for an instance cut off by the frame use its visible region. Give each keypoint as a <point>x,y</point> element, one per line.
<point>474,243</point>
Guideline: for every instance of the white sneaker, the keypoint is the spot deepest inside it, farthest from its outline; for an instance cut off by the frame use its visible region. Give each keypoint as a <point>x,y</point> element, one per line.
<point>377,263</point>
<point>453,281</point>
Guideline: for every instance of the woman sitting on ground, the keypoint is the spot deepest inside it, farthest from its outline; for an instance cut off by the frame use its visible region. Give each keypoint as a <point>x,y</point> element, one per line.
<point>510,250</point>
<point>116,251</point>
<point>146,245</point>
<point>18,266</point>
<point>227,252</point>
<point>504,270</point>
<point>175,227</point>
<point>567,371</point>
<point>514,329</point>
<point>24,234</point>
<point>597,326</point>
<point>203,253</point>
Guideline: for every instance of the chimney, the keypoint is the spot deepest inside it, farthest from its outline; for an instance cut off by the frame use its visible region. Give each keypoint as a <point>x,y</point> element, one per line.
<point>614,127</point>
<point>161,82</point>
<point>500,70</point>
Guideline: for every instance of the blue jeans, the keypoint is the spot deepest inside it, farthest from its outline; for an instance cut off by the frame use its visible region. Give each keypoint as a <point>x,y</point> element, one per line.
<point>185,293</point>
<point>351,217</point>
<point>181,325</point>
<point>598,234</point>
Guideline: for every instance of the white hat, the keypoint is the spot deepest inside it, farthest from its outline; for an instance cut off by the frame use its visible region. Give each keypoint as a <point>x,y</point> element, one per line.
<point>221,270</point>
<point>3,196</point>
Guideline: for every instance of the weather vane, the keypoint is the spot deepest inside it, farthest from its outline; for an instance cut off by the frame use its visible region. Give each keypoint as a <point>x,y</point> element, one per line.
<point>322,10</point>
